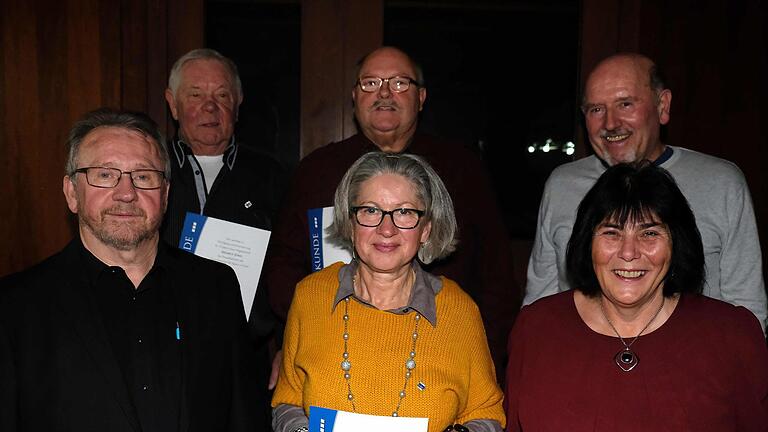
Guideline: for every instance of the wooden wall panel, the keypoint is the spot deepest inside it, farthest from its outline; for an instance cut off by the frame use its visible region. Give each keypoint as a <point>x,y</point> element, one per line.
<point>43,92</point>
<point>19,97</point>
<point>185,30</point>
<point>335,35</point>
<point>59,60</point>
<point>134,78</point>
<point>159,59</point>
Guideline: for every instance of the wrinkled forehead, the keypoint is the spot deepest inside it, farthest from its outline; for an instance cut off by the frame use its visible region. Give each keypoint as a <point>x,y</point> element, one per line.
<point>388,62</point>
<point>116,142</point>
<point>110,133</point>
<point>206,70</point>
<point>623,71</point>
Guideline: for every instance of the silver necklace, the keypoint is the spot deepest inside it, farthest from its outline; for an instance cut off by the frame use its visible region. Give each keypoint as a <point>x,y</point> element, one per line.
<point>626,359</point>
<point>346,365</point>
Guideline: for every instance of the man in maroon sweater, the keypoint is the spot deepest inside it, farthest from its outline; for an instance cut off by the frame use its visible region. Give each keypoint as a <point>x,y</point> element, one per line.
<point>388,96</point>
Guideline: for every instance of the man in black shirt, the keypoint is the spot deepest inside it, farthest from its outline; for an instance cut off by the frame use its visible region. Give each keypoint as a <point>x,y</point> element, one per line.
<point>213,174</point>
<point>118,331</point>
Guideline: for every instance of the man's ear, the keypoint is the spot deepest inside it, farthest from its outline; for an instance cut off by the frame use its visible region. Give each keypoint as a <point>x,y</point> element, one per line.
<point>70,193</point>
<point>422,97</point>
<point>237,106</point>
<point>172,103</point>
<point>166,188</point>
<point>665,105</point>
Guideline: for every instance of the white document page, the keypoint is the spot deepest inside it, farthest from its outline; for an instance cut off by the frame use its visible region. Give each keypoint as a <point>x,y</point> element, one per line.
<point>240,246</point>
<point>328,420</point>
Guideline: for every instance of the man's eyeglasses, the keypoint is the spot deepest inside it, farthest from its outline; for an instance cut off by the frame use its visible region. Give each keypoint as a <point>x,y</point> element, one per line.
<point>397,84</point>
<point>103,177</point>
<point>403,218</point>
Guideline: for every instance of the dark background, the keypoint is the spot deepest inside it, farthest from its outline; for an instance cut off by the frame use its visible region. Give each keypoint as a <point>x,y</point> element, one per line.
<point>264,41</point>
<point>501,75</point>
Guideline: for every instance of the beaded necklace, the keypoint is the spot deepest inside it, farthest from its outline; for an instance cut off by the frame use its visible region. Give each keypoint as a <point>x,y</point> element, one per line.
<point>346,364</point>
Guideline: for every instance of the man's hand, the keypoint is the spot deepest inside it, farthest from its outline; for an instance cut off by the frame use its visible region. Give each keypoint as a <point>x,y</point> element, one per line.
<point>275,369</point>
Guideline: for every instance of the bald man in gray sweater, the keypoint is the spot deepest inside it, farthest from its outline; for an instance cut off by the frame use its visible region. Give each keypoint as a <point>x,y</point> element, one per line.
<point>625,103</point>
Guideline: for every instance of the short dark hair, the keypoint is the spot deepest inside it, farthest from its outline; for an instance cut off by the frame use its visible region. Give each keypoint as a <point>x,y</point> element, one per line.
<point>636,192</point>
<point>108,117</point>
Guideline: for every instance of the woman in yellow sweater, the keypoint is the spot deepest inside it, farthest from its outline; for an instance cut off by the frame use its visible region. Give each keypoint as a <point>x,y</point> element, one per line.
<point>381,336</point>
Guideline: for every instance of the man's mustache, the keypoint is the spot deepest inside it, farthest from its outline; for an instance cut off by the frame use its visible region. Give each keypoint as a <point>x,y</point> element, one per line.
<point>125,210</point>
<point>613,132</point>
<point>383,103</point>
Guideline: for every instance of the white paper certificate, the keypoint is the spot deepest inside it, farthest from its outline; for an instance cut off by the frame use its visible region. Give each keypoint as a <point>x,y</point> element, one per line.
<point>323,252</point>
<point>240,246</point>
<point>328,420</point>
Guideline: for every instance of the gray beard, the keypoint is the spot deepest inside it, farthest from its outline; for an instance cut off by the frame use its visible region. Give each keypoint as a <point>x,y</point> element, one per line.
<point>122,239</point>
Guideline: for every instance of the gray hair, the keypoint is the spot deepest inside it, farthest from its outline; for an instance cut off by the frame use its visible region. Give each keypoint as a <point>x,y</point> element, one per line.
<point>656,81</point>
<point>107,117</point>
<point>174,79</point>
<point>430,189</point>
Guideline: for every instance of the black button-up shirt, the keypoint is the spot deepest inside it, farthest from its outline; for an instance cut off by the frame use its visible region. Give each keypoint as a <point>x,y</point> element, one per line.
<point>145,338</point>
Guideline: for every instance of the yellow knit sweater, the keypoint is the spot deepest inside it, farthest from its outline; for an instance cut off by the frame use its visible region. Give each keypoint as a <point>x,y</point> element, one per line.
<point>452,358</point>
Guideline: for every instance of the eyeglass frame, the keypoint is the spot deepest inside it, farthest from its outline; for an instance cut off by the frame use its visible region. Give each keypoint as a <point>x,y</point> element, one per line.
<point>391,213</point>
<point>84,170</point>
<point>386,80</point>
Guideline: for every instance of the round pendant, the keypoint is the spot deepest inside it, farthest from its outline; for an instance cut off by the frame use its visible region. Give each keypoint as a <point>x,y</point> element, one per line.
<point>626,359</point>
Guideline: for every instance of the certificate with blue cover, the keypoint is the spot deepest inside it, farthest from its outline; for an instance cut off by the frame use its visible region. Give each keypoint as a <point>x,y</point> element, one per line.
<point>329,420</point>
<point>322,252</point>
<point>242,247</point>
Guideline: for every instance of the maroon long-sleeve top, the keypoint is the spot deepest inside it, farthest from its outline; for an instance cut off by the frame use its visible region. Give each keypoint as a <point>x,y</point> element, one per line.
<point>705,369</point>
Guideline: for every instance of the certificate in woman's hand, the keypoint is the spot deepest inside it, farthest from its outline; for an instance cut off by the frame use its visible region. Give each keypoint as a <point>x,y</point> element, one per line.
<point>328,420</point>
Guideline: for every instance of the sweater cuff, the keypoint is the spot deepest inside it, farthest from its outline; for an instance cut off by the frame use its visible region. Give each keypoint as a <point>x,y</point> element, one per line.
<point>483,425</point>
<point>287,418</point>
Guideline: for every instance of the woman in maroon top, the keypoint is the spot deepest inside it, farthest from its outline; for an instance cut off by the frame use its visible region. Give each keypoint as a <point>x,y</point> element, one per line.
<point>635,346</point>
